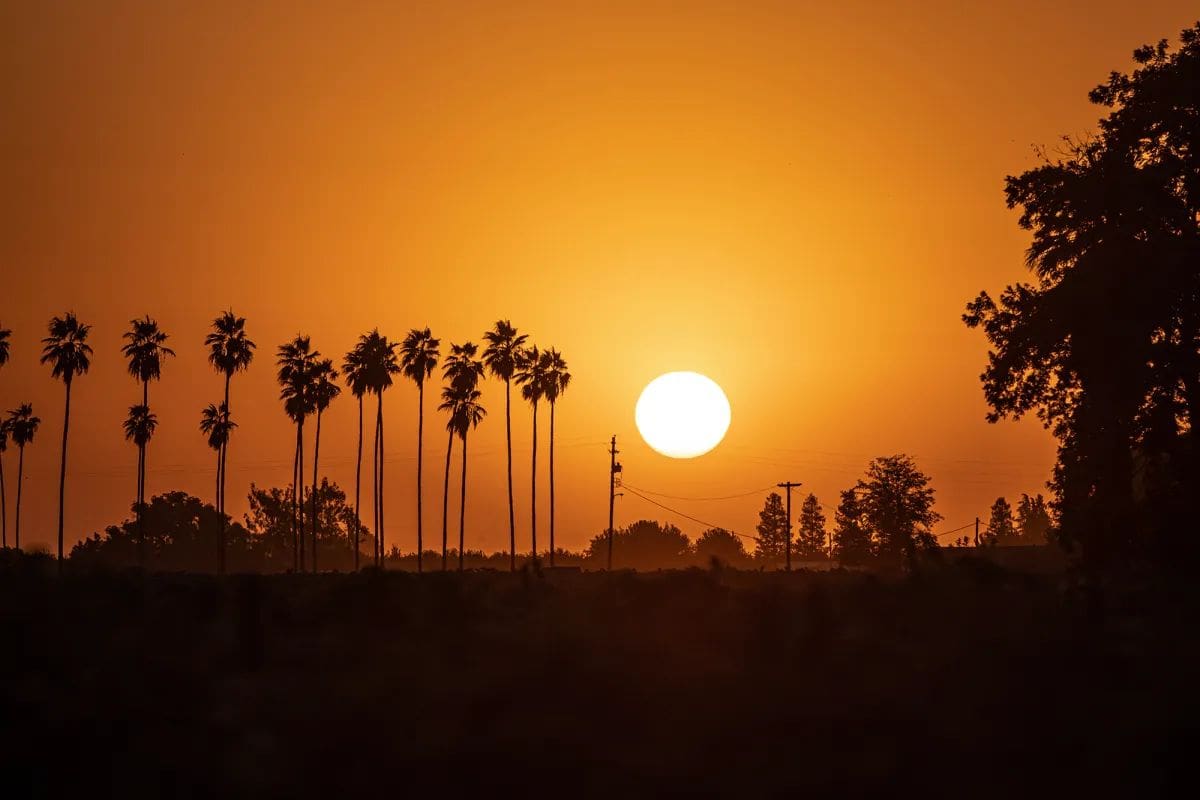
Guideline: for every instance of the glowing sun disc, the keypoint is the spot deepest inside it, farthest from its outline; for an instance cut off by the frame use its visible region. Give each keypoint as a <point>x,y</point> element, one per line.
<point>682,414</point>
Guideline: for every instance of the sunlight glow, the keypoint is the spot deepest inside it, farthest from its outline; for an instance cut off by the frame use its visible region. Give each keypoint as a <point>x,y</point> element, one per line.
<point>682,414</point>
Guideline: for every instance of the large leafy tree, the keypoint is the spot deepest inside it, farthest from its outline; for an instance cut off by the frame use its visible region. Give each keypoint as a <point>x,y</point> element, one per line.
<point>69,355</point>
<point>1034,523</point>
<point>772,529</point>
<point>22,426</point>
<point>1001,527</point>
<point>720,546</point>
<point>897,505</point>
<point>644,545</point>
<point>1104,343</point>
<point>501,356</point>
<point>418,358</point>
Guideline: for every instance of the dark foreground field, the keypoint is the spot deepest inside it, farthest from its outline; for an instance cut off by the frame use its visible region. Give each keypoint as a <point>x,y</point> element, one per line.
<point>959,680</point>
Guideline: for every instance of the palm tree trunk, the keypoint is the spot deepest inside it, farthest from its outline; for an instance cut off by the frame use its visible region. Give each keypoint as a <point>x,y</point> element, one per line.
<point>552,483</point>
<point>20,472</point>
<point>217,491</point>
<point>358,485</point>
<point>462,505</point>
<point>375,491</point>
<point>446,497</point>
<point>512,521</point>
<point>420,436</point>
<point>533,486</point>
<point>316,456</point>
<point>62,475</point>
<point>299,490</point>
<point>382,522</point>
<point>141,491</point>
<point>295,537</point>
<point>221,461</point>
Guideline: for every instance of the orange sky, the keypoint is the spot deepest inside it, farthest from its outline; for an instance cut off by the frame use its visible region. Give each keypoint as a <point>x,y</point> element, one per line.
<point>794,199</point>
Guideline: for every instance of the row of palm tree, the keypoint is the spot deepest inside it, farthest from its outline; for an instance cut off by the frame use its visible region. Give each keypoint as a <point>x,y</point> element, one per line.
<point>308,385</point>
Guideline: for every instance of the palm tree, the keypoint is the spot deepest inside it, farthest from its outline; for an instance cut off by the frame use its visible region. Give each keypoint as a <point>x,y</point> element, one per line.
<point>556,381</point>
<point>5,333</point>
<point>531,376</point>
<point>145,349</point>
<point>354,367</point>
<point>462,371</point>
<point>216,424</point>
<point>22,426</point>
<point>462,402</point>
<point>229,351</point>
<point>324,390</point>
<point>418,357</point>
<point>67,351</point>
<point>296,360</point>
<point>139,429</point>
<point>501,356</point>
<point>3,498</point>
<point>380,364</point>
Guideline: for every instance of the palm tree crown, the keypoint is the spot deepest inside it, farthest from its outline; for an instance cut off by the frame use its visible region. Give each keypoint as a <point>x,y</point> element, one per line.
<point>66,348</point>
<point>22,424</point>
<point>297,362</point>
<point>140,425</point>
<point>555,377</point>
<point>4,334</point>
<point>216,424</point>
<point>379,360</point>
<point>461,368</point>
<point>419,355</point>
<point>503,351</point>
<point>229,349</point>
<point>465,410</point>
<point>145,349</point>
<point>324,387</point>
<point>530,373</point>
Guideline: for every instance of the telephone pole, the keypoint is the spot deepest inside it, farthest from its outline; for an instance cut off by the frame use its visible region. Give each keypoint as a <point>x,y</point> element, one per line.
<point>613,469</point>
<point>787,546</point>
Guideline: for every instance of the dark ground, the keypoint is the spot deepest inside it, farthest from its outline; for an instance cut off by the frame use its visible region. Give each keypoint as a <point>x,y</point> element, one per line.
<point>964,680</point>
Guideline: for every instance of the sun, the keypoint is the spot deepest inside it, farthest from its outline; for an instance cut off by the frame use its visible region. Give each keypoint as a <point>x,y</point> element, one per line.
<point>682,414</point>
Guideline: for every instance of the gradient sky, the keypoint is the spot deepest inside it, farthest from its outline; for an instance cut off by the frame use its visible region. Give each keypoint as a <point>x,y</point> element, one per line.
<point>794,199</point>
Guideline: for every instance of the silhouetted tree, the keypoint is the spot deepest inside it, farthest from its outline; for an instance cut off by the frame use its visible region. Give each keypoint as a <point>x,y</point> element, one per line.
<point>354,367</point>
<point>810,537</point>
<point>557,379</point>
<point>1001,528</point>
<point>268,522</point>
<point>324,391</point>
<point>772,528</point>
<point>504,347</point>
<point>145,349</point>
<point>22,427</point>
<point>418,358</point>
<point>180,530</point>
<point>643,545</point>
<point>462,403</point>
<point>216,425</point>
<point>230,350</point>
<point>296,362</point>
<point>897,505</point>
<point>851,535</point>
<point>461,371</point>
<point>1104,344</point>
<point>1034,524</point>
<point>139,426</point>
<point>720,545</point>
<point>69,355</point>
<point>381,363</point>
<point>531,376</point>
<point>5,333</point>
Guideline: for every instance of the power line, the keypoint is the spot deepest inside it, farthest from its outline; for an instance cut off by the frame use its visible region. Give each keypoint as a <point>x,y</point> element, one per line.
<point>680,513</point>
<point>698,499</point>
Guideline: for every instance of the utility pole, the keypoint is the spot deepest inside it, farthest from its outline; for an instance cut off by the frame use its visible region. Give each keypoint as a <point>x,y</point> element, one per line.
<point>787,547</point>
<point>613,469</point>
